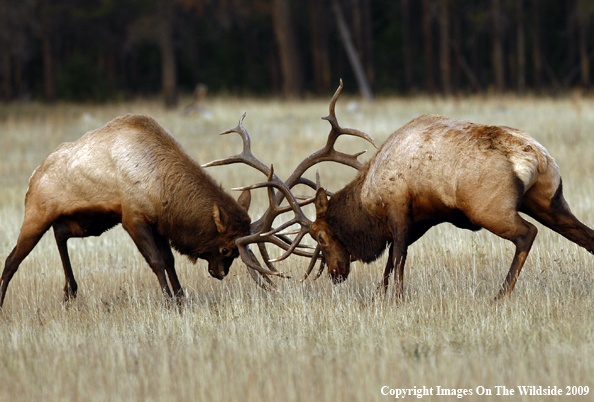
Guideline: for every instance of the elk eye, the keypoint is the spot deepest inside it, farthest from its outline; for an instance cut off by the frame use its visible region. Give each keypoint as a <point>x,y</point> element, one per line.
<point>321,240</point>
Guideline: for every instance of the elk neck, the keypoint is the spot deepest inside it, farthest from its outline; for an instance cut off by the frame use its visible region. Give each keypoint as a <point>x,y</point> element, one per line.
<point>364,234</point>
<point>186,218</point>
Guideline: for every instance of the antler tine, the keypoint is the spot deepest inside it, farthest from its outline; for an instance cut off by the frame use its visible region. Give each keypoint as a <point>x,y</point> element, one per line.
<point>262,280</point>
<point>246,256</point>
<point>336,129</point>
<point>266,257</point>
<point>246,156</point>
<point>322,266</point>
<point>312,263</point>
<point>328,153</point>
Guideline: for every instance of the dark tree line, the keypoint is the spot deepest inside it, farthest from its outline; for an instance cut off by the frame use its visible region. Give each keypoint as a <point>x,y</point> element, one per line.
<point>106,49</point>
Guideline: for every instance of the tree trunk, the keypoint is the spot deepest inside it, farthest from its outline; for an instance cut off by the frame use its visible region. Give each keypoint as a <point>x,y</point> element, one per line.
<point>6,92</point>
<point>49,81</point>
<point>583,47</point>
<point>455,43</point>
<point>406,51</point>
<point>319,43</point>
<point>428,44</point>
<point>356,64</point>
<point>497,56</point>
<point>536,51</point>
<point>367,41</point>
<point>168,67</point>
<point>521,48</point>
<point>445,67</point>
<point>167,47</point>
<point>292,79</point>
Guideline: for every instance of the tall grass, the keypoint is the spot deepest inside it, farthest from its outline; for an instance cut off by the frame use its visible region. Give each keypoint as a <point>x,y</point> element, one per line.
<point>119,340</point>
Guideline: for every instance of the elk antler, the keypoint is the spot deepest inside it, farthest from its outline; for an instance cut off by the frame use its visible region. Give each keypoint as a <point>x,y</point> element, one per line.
<point>262,231</point>
<point>328,153</point>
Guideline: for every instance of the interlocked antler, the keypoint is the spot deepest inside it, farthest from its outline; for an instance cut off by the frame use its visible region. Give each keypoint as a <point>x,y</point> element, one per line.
<point>261,231</point>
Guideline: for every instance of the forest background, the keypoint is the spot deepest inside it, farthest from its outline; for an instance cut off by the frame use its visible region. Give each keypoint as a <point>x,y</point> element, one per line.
<point>101,50</point>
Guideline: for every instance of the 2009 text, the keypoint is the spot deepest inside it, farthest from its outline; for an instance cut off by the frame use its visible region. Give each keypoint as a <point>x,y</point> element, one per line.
<point>498,390</point>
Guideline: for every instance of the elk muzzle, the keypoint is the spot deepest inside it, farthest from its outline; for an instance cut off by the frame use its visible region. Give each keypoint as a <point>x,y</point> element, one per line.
<point>219,268</point>
<point>339,271</point>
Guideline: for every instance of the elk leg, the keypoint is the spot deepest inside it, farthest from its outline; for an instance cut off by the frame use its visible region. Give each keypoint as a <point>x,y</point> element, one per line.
<point>399,224</point>
<point>383,286</point>
<point>523,244</point>
<point>399,276</point>
<point>62,232</point>
<point>142,235</point>
<point>165,250</point>
<point>414,235</point>
<point>554,213</point>
<point>32,230</point>
<point>522,234</point>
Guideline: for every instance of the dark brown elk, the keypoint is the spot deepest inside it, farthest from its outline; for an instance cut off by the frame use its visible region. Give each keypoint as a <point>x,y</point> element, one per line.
<point>436,169</point>
<point>132,171</point>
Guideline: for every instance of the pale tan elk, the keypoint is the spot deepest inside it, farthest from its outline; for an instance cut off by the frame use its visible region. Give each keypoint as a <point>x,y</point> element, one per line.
<point>436,169</point>
<point>133,171</point>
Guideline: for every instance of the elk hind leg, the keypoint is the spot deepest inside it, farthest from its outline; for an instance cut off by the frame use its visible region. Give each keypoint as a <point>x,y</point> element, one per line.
<point>523,241</point>
<point>511,226</point>
<point>554,213</point>
<point>63,231</point>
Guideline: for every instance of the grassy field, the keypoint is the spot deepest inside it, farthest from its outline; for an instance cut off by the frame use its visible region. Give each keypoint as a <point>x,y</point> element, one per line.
<point>119,341</point>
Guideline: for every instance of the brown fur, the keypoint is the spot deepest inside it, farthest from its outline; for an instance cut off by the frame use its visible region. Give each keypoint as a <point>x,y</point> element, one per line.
<point>434,170</point>
<point>131,171</point>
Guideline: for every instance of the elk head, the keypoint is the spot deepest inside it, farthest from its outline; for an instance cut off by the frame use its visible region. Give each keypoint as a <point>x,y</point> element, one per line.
<point>262,230</point>
<point>335,254</point>
<point>226,250</point>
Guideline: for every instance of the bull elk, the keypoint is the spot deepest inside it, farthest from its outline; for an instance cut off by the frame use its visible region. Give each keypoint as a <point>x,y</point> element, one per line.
<point>436,169</point>
<point>132,171</point>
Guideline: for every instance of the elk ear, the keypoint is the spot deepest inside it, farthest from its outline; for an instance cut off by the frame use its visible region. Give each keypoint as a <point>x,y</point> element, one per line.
<point>220,218</point>
<point>245,199</point>
<point>321,202</point>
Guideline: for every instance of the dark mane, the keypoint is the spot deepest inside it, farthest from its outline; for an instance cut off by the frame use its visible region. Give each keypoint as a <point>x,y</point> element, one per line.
<point>365,236</point>
<point>187,195</point>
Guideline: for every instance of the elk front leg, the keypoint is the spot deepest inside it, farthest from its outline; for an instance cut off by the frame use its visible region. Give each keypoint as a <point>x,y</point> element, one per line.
<point>165,249</point>
<point>141,232</point>
<point>383,286</point>
<point>398,260</point>
<point>400,225</point>
<point>399,277</point>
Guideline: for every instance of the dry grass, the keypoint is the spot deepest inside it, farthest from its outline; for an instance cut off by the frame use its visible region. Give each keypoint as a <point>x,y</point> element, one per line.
<point>313,341</point>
